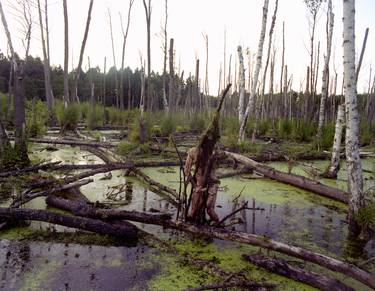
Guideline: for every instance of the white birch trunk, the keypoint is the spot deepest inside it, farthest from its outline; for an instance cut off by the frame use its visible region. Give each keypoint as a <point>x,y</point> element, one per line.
<point>353,161</point>
<point>250,104</point>
<point>241,85</point>
<point>325,79</point>
<point>335,160</point>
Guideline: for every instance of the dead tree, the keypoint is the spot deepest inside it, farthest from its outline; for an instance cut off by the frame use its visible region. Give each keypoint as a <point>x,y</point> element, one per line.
<point>362,54</point>
<point>165,52</point>
<point>250,104</point>
<point>148,11</point>
<point>66,55</point>
<point>353,161</point>
<point>83,45</point>
<point>20,147</point>
<point>125,36</point>
<point>46,60</point>
<point>241,85</point>
<point>114,60</point>
<point>172,97</point>
<point>329,31</point>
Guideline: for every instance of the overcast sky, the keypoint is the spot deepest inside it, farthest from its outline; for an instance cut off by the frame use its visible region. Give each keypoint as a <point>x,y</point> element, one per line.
<point>187,21</point>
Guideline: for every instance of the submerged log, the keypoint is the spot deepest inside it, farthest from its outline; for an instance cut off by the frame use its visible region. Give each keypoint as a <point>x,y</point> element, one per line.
<point>72,142</point>
<point>292,179</point>
<point>172,193</point>
<point>93,225</point>
<point>252,239</point>
<point>281,267</point>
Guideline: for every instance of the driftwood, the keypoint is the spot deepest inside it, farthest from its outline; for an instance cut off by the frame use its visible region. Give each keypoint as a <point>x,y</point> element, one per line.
<point>281,267</point>
<point>252,239</point>
<point>28,169</point>
<point>93,225</point>
<point>74,142</point>
<point>58,188</point>
<point>292,179</point>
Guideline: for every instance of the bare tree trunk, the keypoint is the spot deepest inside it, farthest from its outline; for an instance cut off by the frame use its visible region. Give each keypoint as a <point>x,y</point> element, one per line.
<point>114,59</point>
<point>250,104</point>
<point>362,54</point>
<point>20,146</point>
<point>165,52</point>
<point>241,85</point>
<point>206,85</point>
<point>353,161</point>
<point>125,36</point>
<point>172,96</point>
<point>66,55</point>
<point>148,11</point>
<point>329,30</point>
<point>46,61</point>
<point>78,72</point>
<point>104,81</point>
<point>282,61</point>
<point>335,160</point>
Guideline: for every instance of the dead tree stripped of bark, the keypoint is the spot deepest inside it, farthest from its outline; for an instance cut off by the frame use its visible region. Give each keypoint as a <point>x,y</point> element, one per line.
<point>241,85</point>
<point>325,81</point>
<point>165,52</point>
<point>125,36</point>
<point>21,158</point>
<point>114,59</point>
<point>172,96</point>
<point>148,11</point>
<point>334,167</point>
<point>203,162</point>
<point>362,54</point>
<point>46,60</point>
<point>250,104</point>
<point>82,51</point>
<point>353,161</point>
<point>66,54</point>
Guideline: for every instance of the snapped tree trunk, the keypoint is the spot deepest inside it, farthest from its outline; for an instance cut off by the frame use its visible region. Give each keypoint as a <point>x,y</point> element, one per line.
<point>241,85</point>
<point>335,160</point>
<point>353,161</point>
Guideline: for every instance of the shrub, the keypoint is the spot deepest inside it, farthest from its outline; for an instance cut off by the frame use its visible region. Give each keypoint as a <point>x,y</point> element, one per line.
<point>68,117</point>
<point>303,131</point>
<point>124,148</point>
<point>95,117</point>
<point>284,128</point>
<point>197,123</point>
<point>168,125</point>
<point>135,132</point>
<point>326,140</point>
<point>37,117</point>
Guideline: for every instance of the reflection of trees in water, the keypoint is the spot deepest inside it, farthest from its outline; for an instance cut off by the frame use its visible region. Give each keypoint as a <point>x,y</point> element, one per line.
<point>16,257</point>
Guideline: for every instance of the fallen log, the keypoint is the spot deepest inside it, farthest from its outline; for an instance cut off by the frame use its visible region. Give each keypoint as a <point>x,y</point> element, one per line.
<point>59,188</point>
<point>72,142</point>
<point>264,242</point>
<point>28,169</point>
<point>292,179</point>
<point>281,267</point>
<point>88,224</point>
<point>233,173</point>
<point>171,193</point>
<point>99,153</point>
<point>87,210</point>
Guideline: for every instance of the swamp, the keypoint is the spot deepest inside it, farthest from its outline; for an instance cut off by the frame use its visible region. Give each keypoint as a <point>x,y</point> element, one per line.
<point>134,178</point>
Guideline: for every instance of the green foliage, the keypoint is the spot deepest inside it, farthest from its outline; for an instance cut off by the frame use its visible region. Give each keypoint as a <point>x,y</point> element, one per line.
<point>95,117</point>
<point>124,148</point>
<point>367,133</point>
<point>68,117</point>
<point>135,132</point>
<point>366,215</point>
<point>97,136</point>
<point>37,117</point>
<point>198,123</point>
<point>245,146</point>
<point>326,140</point>
<point>264,127</point>
<point>284,128</point>
<point>303,131</point>
<point>168,125</point>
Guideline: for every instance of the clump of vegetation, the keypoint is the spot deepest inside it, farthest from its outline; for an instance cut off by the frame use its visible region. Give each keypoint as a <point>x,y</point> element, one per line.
<point>68,117</point>
<point>325,142</point>
<point>367,133</point>
<point>141,130</point>
<point>303,131</point>
<point>124,148</point>
<point>37,116</point>
<point>284,128</point>
<point>95,117</point>
<point>197,123</point>
<point>366,215</point>
<point>168,125</point>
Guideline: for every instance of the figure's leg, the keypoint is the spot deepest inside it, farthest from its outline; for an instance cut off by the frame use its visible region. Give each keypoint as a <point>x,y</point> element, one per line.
<point>211,201</point>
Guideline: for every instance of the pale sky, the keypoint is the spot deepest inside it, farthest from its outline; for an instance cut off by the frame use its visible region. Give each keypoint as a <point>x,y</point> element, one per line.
<point>187,21</point>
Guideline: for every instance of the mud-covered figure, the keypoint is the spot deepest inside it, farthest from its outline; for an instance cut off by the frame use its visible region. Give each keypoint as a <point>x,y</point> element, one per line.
<point>204,188</point>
